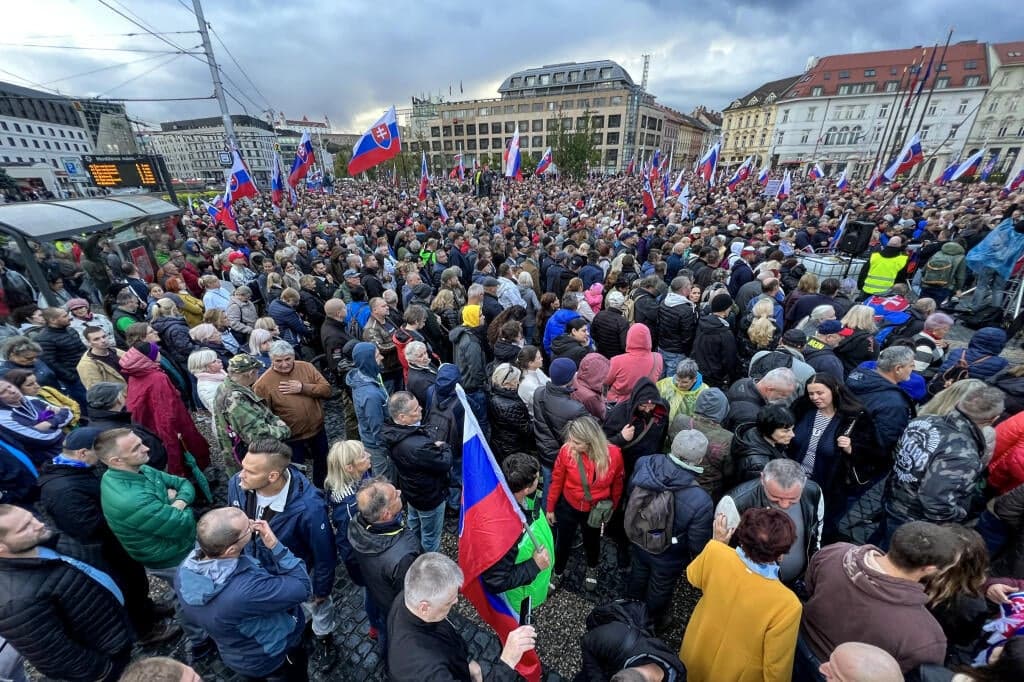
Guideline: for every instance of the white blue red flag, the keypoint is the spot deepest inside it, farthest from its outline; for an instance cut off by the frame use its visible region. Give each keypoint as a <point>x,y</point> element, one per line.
<point>741,174</point>
<point>490,524</point>
<point>842,184</point>
<point>947,174</point>
<point>225,212</point>
<point>785,187</point>
<point>276,182</point>
<point>969,167</point>
<point>545,161</point>
<point>989,167</point>
<point>708,163</point>
<point>631,166</point>
<point>303,161</point>
<point>213,209</point>
<point>816,172</point>
<point>910,156</point>
<point>876,178</point>
<point>839,233</point>
<point>1013,183</point>
<point>502,207</point>
<point>424,177</point>
<point>513,159</point>
<point>240,184</point>
<point>647,195</point>
<point>677,186</point>
<point>655,165</point>
<point>378,144</point>
<point>459,171</point>
<point>442,210</point>
<point>684,198</point>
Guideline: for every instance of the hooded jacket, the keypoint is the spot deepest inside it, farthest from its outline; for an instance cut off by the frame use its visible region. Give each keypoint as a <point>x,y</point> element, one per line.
<point>553,409</point>
<point>745,401</point>
<point>649,429</point>
<point>251,609</point>
<point>565,346</point>
<point>588,385</point>
<point>511,425</point>
<point>423,467</point>
<point>889,408</point>
<point>614,646</point>
<point>368,395</point>
<point>714,350</point>
<point>303,526</point>
<point>857,346</point>
<point>694,510</point>
<point>822,357</point>
<point>677,324</point>
<point>62,349</point>
<point>292,328</point>
<point>469,358</point>
<point>174,338</point>
<point>636,363</point>
<point>384,553</point>
<point>981,355</point>
<point>556,326</point>
<point>154,402</point>
<point>609,331</point>
<point>877,609</point>
<point>751,452</point>
<point>680,401</point>
<point>444,409</point>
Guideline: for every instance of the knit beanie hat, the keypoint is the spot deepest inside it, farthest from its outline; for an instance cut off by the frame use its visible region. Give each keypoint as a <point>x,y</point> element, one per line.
<point>153,351</point>
<point>712,403</point>
<point>562,371</point>
<point>721,303</point>
<point>690,446</point>
<point>615,299</point>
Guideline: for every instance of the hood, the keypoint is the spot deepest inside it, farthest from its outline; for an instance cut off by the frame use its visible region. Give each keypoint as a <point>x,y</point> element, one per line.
<point>393,433</point>
<point>712,324</point>
<point>915,387</point>
<point>373,540</point>
<point>638,338</point>
<point>564,344</point>
<point>162,323</point>
<point>562,316</point>
<point>447,377</point>
<point>593,371</point>
<point>989,341</point>
<point>878,585</point>
<point>456,334</point>
<point>952,249</point>
<point>506,351</point>
<point>645,391</point>
<point>674,299</point>
<point>659,472</point>
<point>203,579</point>
<point>51,471</point>
<point>134,364</point>
<point>864,380</point>
<point>364,357</point>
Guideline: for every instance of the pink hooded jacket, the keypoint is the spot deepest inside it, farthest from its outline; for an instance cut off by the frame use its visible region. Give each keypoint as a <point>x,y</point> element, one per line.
<point>588,386</point>
<point>638,361</point>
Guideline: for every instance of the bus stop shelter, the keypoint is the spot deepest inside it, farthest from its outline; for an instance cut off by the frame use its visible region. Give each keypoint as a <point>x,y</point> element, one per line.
<point>77,220</point>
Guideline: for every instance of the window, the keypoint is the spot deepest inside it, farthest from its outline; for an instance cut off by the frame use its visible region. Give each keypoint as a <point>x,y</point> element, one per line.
<point>460,130</point>
<point>810,113</point>
<point>844,74</point>
<point>551,106</point>
<point>509,127</point>
<point>962,108</point>
<point>566,124</point>
<point>448,145</point>
<point>436,145</point>
<point>868,87</point>
<point>613,138</point>
<point>616,100</point>
<point>590,74</point>
<point>583,103</point>
<point>496,143</point>
<point>941,83</point>
<point>818,91</point>
<point>598,102</point>
<point>538,141</point>
<point>804,136</point>
<point>785,116</point>
<point>531,81</point>
<point>606,72</point>
<point>24,142</point>
<point>446,131</point>
<point>830,136</point>
<point>551,125</point>
<point>484,111</point>
<point>17,129</point>
<point>597,121</point>
<point>596,138</point>
<point>1002,129</point>
<point>560,77</point>
<point>581,122</point>
<point>28,129</point>
<point>10,141</point>
<point>484,143</point>
<point>536,125</point>
<point>524,126</point>
<point>844,89</point>
<point>827,76</point>
<point>471,145</point>
<point>471,129</point>
<point>953,129</point>
<point>80,136</point>
<point>537,106</point>
<point>943,67</point>
<point>891,86</point>
<point>972,81</point>
<point>615,121</point>
<point>574,76</point>
<point>869,73</point>
<point>3,125</point>
<point>970,64</point>
<point>47,144</point>
<point>566,103</point>
<point>516,82</point>
<point>779,137</point>
<point>522,108</point>
<point>932,108</point>
<point>495,128</point>
<point>993,106</point>
<point>924,132</point>
<point>862,111</point>
<point>545,79</point>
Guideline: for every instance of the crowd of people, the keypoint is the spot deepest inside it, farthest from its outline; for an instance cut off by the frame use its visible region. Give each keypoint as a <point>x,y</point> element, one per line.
<point>844,487</point>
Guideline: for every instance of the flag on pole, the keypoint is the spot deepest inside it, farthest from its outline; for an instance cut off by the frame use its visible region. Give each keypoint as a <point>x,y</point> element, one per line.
<point>839,234</point>
<point>1012,183</point>
<point>989,167</point>
<point>969,167</point>
<point>763,175</point>
<point>240,184</point>
<point>947,174</point>
<point>276,181</point>
<point>490,524</point>
<point>708,163</point>
<point>424,177</point>
<point>513,159</point>
<point>816,172</point>
<point>784,187</point>
<point>459,171</point>
<point>842,184</point>
<point>910,156</point>
<point>378,144</point>
<point>303,161</point>
<point>684,198</point>
<point>442,210</point>
<point>632,165</point>
<point>741,174</point>
<point>876,178</point>
<point>677,186</point>
<point>545,162</point>
<point>655,164</point>
<point>647,195</point>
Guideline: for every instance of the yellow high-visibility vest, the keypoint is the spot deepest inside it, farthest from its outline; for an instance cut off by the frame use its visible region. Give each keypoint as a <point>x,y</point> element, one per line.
<point>882,272</point>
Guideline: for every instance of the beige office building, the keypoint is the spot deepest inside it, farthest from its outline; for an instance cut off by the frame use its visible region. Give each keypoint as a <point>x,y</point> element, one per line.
<point>748,122</point>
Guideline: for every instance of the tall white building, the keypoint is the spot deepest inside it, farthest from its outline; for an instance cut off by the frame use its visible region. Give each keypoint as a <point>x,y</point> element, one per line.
<point>192,148</point>
<point>839,111</point>
<point>999,125</point>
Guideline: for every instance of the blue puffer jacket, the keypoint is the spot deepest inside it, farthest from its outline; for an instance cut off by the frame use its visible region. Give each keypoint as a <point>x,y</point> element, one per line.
<point>694,510</point>
<point>556,326</point>
<point>251,609</point>
<point>368,396</point>
<point>888,405</point>
<point>293,330</point>
<point>303,526</point>
<point>982,354</point>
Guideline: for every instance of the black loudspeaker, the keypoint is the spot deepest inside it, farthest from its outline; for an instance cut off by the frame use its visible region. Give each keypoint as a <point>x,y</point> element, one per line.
<point>856,237</point>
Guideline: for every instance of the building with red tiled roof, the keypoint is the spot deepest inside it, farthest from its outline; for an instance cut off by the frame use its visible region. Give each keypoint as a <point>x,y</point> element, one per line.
<point>999,125</point>
<point>851,111</point>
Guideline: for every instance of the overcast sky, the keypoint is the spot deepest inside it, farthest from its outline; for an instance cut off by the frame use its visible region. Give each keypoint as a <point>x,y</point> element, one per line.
<point>351,59</point>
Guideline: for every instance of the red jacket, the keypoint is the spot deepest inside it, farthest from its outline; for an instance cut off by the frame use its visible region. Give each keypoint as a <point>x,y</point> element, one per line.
<point>154,402</point>
<point>565,480</point>
<point>1006,470</point>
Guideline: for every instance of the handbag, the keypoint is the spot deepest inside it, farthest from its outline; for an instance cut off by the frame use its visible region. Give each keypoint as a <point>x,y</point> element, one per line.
<point>600,511</point>
<point>958,371</point>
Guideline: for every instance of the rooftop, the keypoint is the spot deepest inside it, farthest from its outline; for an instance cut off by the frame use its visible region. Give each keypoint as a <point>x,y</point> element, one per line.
<point>1009,53</point>
<point>215,122</point>
<point>768,91</point>
<point>582,75</point>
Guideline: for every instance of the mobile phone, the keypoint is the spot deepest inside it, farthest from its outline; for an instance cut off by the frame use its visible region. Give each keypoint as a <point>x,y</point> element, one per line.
<point>524,611</point>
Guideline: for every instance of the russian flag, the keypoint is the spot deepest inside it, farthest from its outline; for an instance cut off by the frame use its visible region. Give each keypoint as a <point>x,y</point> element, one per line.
<point>989,167</point>
<point>424,177</point>
<point>442,210</point>
<point>969,167</point>
<point>378,144</point>
<point>842,184</point>
<point>1013,183</point>
<point>303,161</point>
<point>276,182</point>
<point>647,195</point>
<point>816,172</point>
<point>763,175</point>
<point>545,162</point>
<point>240,184</point>
<point>490,523</point>
<point>513,159</point>
<point>947,174</point>
<point>631,166</point>
<point>839,233</point>
<point>910,156</point>
<point>708,163</point>
<point>785,187</point>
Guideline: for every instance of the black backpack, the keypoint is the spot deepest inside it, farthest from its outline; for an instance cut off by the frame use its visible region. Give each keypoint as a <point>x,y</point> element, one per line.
<point>989,316</point>
<point>769,361</point>
<point>628,611</point>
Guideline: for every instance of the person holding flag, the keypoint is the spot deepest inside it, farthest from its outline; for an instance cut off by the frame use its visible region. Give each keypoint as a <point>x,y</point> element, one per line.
<point>240,184</point>
<point>424,178</point>
<point>459,171</point>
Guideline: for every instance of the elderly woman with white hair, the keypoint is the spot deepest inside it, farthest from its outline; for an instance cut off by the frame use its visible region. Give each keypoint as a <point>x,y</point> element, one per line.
<point>809,325</point>
<point>208,370</point>
<point>208,337</point>
<point>511,424</point>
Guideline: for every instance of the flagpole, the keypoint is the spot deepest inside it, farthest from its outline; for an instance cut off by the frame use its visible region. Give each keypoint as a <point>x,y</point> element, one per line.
<point>890,127</point>
<point>899,139</point>
<point>928,99</point>
<point>916,95</point>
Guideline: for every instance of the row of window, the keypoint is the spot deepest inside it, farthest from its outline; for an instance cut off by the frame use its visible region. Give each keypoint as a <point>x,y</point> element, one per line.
<point>45,110</point>
<point>941,83</point>
<point>438,161</point>
<point>560,77</point>
<point>746,121</point>
<point>41,131</point>
<point>12,142</point>
<point>537,142</point>
<point>860,111</point>
<point>525,108</point>
<point>31,159</point>
<point>535,126</point>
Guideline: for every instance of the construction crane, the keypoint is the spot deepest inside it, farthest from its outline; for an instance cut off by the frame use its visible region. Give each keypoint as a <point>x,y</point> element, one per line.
<point>647,68</point>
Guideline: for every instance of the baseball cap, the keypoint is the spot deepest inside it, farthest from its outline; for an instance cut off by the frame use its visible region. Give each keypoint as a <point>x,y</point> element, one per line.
<point>83,438</point>
<point>830,327</point>
<point>489,282</point>
<point>794,338</point>
<point>351,273</point>
<point>243,362</point>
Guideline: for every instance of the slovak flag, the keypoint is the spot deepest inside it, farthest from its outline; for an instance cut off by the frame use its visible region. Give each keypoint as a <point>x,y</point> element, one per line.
<point>378,144</point>
<point>513,159</point>
<point>240,184</point>
<point>708,163</point>
<point>763,175</point>
<point>839,233</point>
<point>442,210</point>
<point>741,174</point>
<point>648,198</point>
<point>684,198</point>
<point>490,524</point>
<point>816,172</point>
<point>947,174</point>
<point>424,178</point>
<point>223,212</point>
<point>677,186</point>
<point>910,156</point>
<point>545,162</point>
<point>655,163</point>
<point>785,187</point>
<point>213,209</point>
<point>876,178</point>
<point>989,167</point>
<point>276,182</point>
<point>842,184</point>
<point>969,167</point>
<point>303,161</point>
<point>459,171</point>
<point>631,166</point>
<point>1013,183</point>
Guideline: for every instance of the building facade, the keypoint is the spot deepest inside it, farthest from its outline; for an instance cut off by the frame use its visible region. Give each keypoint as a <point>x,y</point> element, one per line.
<point>192,148</point>
<point>842,110</point>
<point>624,121</point>
<point>108,126</point>
<point>999,125</point>
<point>748,123</point>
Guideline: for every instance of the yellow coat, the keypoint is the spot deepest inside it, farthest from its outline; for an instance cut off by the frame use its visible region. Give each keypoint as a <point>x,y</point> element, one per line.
<point>192,309</point>
<point>745,626</point>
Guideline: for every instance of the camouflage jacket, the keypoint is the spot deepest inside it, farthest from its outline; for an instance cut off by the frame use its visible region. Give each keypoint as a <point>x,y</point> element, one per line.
<point>935,475</point>
<point>240,417</point>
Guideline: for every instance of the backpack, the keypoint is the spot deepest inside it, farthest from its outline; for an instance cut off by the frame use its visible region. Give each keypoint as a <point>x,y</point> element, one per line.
<point>628,611</point>
<point>989,316</point>
<point>769,361</point>
<point>938,272</point>
<point>649,518</point>
<point>958,371</point>
<point>629,309</point>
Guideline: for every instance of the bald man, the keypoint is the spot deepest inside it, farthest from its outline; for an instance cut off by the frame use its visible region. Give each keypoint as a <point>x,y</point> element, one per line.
<point>857,662</point>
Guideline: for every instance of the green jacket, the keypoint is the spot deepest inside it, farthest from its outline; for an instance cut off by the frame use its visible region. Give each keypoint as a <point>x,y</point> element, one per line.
<point>139,512</point>
<point>241,417</point>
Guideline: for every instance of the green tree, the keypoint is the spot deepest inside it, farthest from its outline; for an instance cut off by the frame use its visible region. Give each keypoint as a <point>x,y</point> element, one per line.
<point>528,163</point>
<point>574,151</point>
<point>6,181</point>
<point>341,159</point>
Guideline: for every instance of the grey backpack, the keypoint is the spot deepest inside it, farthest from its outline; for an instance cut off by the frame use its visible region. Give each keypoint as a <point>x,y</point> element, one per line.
<point>649,518</point>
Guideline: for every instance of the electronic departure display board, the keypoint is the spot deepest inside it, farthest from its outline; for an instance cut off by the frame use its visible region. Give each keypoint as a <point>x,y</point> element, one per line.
<point>122,171</point>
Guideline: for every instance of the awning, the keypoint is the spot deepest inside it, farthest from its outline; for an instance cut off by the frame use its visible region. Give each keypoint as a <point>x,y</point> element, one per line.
<point>52,220</point>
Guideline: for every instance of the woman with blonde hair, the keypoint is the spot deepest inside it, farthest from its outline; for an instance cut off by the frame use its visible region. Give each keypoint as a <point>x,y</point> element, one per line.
<point>209,337</point>
<point>758,331</point>
<point>575,287</point>
<point>208,370</point>
<point>586,482</point>
<point>175,341</point>
<point>858,334</point>
<point>219,319</point>
<point>808,284</point>
<point>259,347</point>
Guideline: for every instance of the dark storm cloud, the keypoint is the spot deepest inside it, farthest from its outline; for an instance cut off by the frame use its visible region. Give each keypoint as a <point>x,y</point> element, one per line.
<point>351,60</point>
